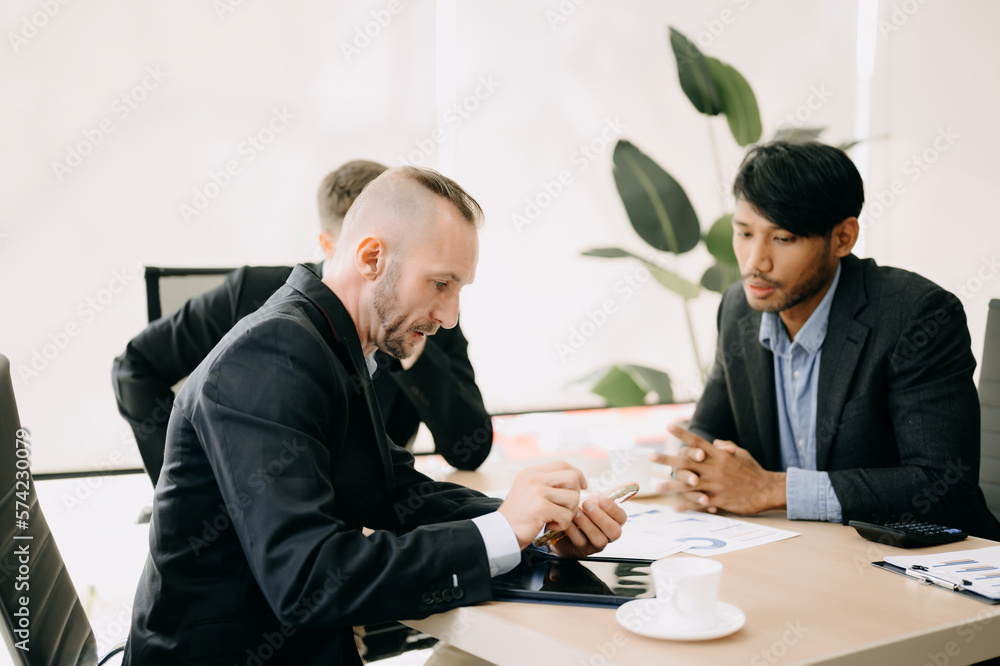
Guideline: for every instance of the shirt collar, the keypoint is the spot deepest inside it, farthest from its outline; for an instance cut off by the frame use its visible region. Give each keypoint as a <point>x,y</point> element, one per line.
<point>810,337</point>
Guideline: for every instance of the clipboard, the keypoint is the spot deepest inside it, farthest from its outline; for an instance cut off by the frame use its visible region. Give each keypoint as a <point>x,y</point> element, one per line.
<point>965,593</point>
<point>542,578</point>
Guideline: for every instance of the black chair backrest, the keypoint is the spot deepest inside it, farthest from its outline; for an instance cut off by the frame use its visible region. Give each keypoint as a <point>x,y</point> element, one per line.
<point>167,289</point>
<point>989,400</point>
<point>54,626</point>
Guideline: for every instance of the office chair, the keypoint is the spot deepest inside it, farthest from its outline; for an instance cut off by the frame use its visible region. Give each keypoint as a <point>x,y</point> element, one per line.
<point>56,629</point>
<point>167,289</point>
<point>989,400</point>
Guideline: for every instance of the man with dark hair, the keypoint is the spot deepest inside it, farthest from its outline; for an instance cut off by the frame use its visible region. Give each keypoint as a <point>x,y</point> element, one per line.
<point>276,459</point>
<point>841,390</point>
<point>436,384</point>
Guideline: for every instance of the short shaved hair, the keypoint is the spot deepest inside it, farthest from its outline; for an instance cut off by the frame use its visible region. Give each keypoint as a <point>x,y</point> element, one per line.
<point>447,188</point>
<point>398,199</point>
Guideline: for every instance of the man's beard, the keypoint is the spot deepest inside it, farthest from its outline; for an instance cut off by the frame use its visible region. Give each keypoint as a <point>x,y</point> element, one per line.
<point>386,304</point>
<point>819,279</point>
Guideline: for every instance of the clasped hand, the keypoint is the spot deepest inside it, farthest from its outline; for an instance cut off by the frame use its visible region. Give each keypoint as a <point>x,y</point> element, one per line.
<point>720,475</point>
<point>549,496</point>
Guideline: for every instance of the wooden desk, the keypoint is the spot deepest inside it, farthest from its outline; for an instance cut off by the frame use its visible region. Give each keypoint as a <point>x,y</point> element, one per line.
<point>814,598</point>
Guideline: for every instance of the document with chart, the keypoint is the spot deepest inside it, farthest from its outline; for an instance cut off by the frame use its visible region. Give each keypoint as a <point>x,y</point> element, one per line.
<point>656,530</point>
<point>976,570</point>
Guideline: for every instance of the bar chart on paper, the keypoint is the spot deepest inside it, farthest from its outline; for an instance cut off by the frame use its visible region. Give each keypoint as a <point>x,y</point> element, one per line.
<point>980,567</point>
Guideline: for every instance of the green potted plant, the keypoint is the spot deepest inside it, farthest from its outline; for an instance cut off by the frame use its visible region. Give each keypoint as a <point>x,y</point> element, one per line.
<point>662,215</point>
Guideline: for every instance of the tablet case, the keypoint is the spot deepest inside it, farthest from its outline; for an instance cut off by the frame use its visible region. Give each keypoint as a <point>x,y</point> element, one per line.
<point>575,585</point>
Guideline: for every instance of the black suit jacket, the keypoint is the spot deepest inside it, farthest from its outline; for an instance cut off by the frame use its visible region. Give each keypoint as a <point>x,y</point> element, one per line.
<point>897,424</point>
<point>440,389</point>
<point>276,458</point>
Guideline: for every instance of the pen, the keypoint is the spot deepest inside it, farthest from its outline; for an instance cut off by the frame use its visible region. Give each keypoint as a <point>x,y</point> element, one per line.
<point>622,494</point>
<point>954,580</point>
<point>932,579</point>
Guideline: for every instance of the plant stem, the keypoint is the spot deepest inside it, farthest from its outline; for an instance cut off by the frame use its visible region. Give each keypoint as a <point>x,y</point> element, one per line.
<point>694,343</point>
<point>718,164</point>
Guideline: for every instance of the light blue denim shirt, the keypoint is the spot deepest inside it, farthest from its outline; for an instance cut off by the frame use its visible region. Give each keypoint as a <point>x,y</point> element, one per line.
<point>809,492</point>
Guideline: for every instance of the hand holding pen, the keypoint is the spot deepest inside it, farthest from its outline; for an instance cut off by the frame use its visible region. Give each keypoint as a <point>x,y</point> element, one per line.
<point>618,496</point>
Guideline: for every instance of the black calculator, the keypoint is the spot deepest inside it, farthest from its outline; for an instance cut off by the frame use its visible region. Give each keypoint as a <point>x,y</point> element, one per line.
<point>908,535</point>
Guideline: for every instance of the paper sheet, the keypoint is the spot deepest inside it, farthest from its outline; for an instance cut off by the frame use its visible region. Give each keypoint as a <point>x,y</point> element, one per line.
<point>980,566</point>
<point>653,531</point>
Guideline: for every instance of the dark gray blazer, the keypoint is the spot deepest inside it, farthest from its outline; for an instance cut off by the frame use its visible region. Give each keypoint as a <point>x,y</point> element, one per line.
<point>897,424</point>
<point>276,458</point>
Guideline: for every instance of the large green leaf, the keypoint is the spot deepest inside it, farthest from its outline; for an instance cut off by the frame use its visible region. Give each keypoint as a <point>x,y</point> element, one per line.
<point>797,134</point>
<point>738,102</point>
<point>718,277</point>
<point>672,281</point>
<point>620,389</point>
<point>654,380</point>
<point>657,206</point>
<point>719,240</point>
<point>693,72</point>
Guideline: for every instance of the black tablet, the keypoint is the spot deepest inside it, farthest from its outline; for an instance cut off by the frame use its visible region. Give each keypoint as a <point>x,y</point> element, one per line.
<point>543,578</point>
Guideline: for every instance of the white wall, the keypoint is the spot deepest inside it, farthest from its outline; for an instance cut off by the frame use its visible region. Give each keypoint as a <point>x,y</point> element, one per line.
<point>935,97</point>
<point>554,86</point>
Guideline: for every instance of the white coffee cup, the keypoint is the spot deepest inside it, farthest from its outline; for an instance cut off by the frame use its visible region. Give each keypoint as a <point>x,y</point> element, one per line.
<point>631,465</point>
<point>687,589</point>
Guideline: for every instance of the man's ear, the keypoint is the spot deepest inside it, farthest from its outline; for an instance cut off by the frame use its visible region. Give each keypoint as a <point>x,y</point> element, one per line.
<point>328,243</point>
<point>844,236</point>
<point>369,257</point>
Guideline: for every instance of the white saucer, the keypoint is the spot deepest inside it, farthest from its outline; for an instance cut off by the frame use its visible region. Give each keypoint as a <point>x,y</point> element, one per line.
<point>639,616</point>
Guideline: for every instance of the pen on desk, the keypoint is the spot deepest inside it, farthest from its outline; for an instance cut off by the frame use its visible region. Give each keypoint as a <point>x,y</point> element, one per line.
<point>622,494</point>
<point>951,578</point>
<point>932,579</point>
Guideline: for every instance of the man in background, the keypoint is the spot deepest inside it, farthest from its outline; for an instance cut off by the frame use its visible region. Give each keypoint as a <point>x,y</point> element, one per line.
<point>436,384</point>
<point>841,390</point>
<point>276,441</point>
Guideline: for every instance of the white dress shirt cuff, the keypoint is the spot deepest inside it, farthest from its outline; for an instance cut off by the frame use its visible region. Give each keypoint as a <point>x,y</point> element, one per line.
<point>502,549</point>
<point>809,495</point>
